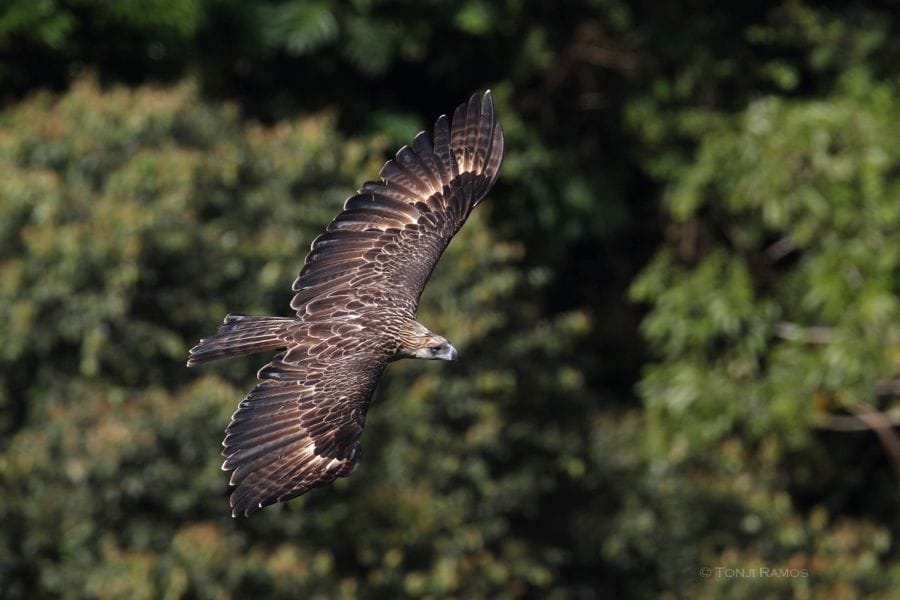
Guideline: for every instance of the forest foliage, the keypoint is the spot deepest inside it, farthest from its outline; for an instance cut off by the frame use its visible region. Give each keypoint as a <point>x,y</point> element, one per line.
<point>678,310</point>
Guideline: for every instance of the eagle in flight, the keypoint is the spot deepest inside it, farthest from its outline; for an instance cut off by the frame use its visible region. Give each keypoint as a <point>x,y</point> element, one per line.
<point>355,300</point>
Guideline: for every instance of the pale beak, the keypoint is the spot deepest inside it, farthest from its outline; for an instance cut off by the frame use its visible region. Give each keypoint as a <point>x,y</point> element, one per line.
<point>448,352</point>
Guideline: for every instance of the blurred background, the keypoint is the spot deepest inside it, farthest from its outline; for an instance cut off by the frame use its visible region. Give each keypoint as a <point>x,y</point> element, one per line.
<point>677,310</point>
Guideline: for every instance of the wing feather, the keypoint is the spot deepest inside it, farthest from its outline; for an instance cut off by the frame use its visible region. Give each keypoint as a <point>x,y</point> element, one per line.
<point>425,153</point>
<point>471,130</point>
<point>299,428</point>
<point>484,135</point>
<point>395,176</point>
<point>397,208</point>
<point>458,136</point>
<point>448,167</point>
<point>387,240</point>
<point>492,163</point>
<point>315,287</point>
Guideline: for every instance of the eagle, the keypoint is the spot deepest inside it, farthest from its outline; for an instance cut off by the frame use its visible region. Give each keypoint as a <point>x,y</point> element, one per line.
<point>355,300</point>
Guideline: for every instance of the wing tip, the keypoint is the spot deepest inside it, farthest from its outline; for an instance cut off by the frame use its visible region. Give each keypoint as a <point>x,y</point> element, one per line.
<point>476,140</point>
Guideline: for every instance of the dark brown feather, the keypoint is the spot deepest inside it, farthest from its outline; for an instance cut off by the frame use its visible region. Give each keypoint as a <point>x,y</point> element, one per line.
<point>290,433</point>
<point>241,334</point>
<point>464,161</point>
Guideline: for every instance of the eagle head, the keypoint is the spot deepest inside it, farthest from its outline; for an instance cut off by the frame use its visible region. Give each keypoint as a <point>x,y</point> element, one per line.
<point>417,341</point>
<point>437,348</point>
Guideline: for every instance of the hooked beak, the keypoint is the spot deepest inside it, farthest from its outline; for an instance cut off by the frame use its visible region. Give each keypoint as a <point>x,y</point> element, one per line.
<point>447,352</point>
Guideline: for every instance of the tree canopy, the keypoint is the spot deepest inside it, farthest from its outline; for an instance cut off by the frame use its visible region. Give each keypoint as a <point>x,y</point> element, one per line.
<point>678,309</point>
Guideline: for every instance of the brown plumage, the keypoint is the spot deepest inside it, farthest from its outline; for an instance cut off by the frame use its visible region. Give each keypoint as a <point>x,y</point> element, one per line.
<point>355,299</point>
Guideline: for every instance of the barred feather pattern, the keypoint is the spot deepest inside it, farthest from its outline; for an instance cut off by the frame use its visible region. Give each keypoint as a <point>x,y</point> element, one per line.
<point>355,299</point>
<point>381,249</point>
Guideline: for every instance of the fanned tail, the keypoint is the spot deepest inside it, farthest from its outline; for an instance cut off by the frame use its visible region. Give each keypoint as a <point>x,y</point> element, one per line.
<point>239,335</point>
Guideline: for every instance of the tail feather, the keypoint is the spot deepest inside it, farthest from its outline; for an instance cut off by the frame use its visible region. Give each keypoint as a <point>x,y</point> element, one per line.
<point>239,335</point>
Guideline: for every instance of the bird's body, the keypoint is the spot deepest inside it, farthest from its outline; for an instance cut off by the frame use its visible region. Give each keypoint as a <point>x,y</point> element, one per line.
<point>355,300</point>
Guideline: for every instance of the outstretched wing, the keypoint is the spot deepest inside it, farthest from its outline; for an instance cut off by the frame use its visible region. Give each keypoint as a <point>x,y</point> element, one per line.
<point>299,428</point>
<point>381,249</point>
